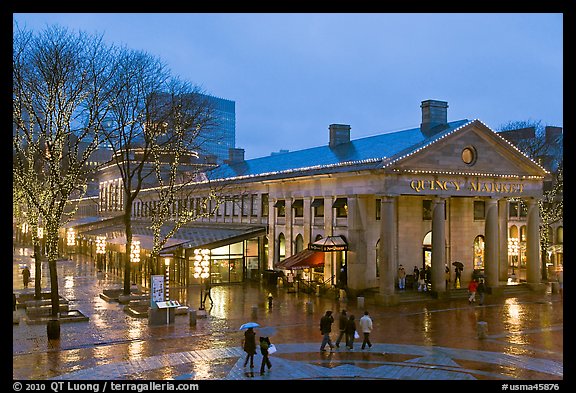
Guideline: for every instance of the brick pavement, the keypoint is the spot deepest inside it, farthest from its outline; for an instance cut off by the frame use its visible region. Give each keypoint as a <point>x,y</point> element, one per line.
<point>436,340</point>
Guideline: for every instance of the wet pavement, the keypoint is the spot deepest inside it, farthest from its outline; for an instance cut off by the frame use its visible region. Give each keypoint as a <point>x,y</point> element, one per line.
<point>426,340</point>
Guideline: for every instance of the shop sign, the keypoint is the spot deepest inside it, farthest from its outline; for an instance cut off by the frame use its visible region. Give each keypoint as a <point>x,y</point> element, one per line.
<point>420,185</point>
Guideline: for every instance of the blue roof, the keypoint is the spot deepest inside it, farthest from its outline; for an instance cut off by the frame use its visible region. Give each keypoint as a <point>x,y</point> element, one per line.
<point>367,152</point>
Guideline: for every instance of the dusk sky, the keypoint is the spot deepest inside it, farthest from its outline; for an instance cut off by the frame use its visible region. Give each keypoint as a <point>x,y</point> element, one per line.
<point>292,75</point>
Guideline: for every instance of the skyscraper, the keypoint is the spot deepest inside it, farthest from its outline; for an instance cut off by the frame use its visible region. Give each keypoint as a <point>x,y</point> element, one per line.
<point>217,142</point>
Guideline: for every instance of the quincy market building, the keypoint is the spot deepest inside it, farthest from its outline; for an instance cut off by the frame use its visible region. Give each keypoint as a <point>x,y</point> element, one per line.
<point>426,196</point>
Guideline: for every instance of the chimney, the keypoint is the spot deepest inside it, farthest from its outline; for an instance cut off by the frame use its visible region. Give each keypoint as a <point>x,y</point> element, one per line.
<point>235,155</point>
<point>211,159</point>
<point>553,134</point>
<point>339,134</point>
<point>434,117</point>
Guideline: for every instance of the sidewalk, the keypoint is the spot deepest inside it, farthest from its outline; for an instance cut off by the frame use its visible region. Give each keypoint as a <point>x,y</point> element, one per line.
<point>434,340</point>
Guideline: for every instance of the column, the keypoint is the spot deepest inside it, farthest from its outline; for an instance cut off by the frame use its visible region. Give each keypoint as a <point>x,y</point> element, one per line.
<point>503,240</point>
<point>533,267</point>
<point>491,243</point>
<point>272,241</point>
<point>289,224</point>
<point>387,251</point>
<point>307,221</point>
<point>438,245</point>
<point>356,243</point>
<point>329,231</point>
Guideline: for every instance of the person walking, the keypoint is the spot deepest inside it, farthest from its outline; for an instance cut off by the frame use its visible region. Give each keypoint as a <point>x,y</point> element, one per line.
<point>325,328</point>
<point>401,277</point>
<point>264,345</point>
<point>249,346</point>
<point>472,288</point>
<point>422,281</point>
<point>26,276</point>
<point>342,326</point>
<point>350,331</point>
<point>416,276</point>
<point>481,290</point>
<point>366,328</point>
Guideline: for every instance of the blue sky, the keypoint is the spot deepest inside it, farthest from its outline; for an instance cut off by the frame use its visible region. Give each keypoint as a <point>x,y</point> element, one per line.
<point>293,74</point>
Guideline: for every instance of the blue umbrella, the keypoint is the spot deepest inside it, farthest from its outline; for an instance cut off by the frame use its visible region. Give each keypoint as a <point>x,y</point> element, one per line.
<point>249,325</point>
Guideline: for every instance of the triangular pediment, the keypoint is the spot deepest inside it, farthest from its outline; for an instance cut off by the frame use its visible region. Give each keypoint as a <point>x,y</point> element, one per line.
<point>471,149</point>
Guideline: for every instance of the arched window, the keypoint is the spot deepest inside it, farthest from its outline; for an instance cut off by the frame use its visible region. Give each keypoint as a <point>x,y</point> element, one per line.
<point>523,233</point>
<point>513,233</point>
<point>299,243</point>
<point>281,247</point>
<point>560,235</point>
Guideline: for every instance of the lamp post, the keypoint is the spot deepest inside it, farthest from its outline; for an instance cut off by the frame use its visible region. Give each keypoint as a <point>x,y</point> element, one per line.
<point>513,247</point>
<point>100,251</point>
<point>41,239</point>
<point>134,257</point>
<point>202,270</point>
<point>70,239</point>
<point>167,277</point>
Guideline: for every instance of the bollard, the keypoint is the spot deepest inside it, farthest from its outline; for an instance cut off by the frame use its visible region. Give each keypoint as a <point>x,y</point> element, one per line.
<point>317,290</point>
<point>482,328</point>
<point>192,317</point>
<point>254,312</point>
<point>309,307</point>
<point>270,300</point>
<point>360,301</point>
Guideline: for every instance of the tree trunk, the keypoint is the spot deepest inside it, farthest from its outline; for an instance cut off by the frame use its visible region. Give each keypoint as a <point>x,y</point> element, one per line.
<point>127,267</point>
<point>37,272</point>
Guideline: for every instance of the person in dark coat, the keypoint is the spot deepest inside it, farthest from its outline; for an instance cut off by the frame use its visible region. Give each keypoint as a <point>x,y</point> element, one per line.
<point>264,345</point>
<point>342,321</point>
<point>350,330</point>
<point>26,276</point>
<point>325,328</point>
<point>481,290</point>
<point>249,346</point>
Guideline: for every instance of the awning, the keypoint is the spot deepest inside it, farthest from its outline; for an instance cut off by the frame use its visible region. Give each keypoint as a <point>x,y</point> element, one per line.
<point>330,243</point>
<point>302,260</point>
<point>298,203</point>
<point>340,202</point>
<point>317,202</point>
<point>193,235</point>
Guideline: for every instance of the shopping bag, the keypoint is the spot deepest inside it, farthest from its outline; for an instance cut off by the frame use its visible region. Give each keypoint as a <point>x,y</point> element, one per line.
<point>356,335</point>
<point>271,349</point>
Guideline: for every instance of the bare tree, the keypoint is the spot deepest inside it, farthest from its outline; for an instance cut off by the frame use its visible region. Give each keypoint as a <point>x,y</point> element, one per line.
<point>185,114</point>
<point>153,125</point>
<point>61,92</point>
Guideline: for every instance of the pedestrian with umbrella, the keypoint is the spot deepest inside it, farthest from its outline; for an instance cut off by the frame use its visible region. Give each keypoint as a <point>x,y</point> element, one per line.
<point>249,346</point>
<point>457,273</point>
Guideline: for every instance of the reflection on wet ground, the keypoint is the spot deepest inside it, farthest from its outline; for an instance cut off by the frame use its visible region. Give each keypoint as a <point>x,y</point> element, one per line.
<point>432,340</point>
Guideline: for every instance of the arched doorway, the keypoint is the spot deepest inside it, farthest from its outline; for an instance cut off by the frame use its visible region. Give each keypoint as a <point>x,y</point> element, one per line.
<point>427,251</point>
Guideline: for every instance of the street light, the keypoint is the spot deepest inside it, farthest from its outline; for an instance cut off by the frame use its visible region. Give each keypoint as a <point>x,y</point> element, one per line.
<point>513,248</point>
<point>167,277</point>
<point>201,270</point>
<point>135,251</point>
<point>41,239</point>
<point>100,250</point>
<point>134,256</point>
